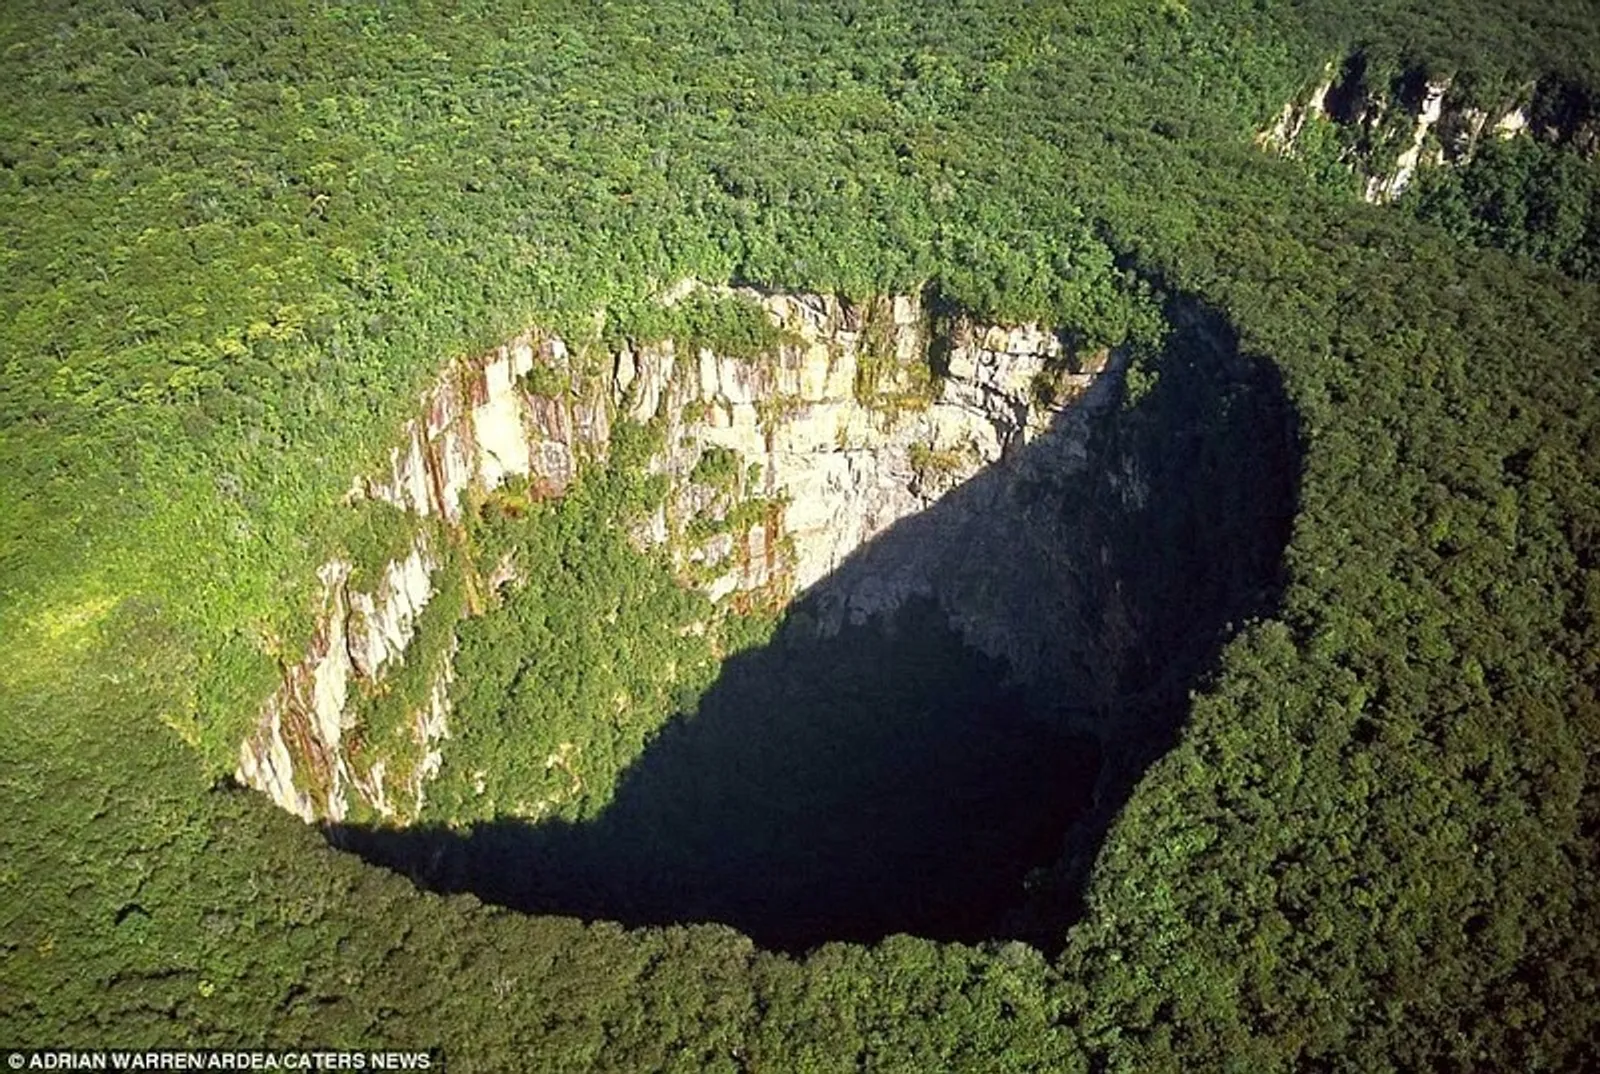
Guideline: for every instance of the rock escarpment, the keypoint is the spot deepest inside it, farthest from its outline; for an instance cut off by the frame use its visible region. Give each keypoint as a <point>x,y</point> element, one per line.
<point>861,416</point>
<point>939,730</point>
<point>1387,129</point>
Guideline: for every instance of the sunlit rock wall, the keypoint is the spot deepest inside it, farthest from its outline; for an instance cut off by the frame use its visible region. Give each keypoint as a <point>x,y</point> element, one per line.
<point>847,427</point>
<point>1389,134</point>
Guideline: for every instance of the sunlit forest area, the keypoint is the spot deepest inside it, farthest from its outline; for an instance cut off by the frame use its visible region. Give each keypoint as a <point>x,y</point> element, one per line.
<point>240,237</point>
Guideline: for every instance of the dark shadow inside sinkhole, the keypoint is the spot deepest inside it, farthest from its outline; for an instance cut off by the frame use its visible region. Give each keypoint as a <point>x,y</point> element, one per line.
<point>947,768</point>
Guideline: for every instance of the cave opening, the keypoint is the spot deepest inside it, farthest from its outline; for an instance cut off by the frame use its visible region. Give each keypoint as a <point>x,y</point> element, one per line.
<point>946,763</point>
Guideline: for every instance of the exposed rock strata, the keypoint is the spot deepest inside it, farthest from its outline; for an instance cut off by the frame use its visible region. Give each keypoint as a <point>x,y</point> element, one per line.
<point>841,432</point>
<point>1391,131</point>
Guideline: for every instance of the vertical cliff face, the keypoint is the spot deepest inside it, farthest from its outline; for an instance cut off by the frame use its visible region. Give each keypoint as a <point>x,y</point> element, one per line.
<point>863,415</point>
<point>937,734</point>
<point>1387,130</point>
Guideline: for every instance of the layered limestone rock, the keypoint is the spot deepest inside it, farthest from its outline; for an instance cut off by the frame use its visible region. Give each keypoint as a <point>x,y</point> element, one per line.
<point>1389,134</point>
<point>480,427</point>
<point>1383,188</point>
<point>473,432</point>
<point>298,753</point>
<point>862,416</point>
<point>1284,134</point>
<point>1511,124</point>
<point>845,427</point>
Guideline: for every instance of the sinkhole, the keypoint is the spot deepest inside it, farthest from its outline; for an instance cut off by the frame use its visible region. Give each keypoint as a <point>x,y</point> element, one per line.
<point>945,765</point>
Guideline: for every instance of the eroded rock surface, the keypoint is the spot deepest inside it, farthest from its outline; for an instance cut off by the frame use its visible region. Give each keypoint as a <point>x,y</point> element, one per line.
<point>1389,132</point>
<point>851,425</point>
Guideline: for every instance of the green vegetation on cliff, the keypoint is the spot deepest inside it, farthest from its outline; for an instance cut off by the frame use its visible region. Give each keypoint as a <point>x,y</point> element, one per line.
<point>594,647</point>
<point>239,238</point>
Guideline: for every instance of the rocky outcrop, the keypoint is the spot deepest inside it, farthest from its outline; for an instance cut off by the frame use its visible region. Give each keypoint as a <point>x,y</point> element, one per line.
<point>1388,130</point>
<point>1382,188</point>
<point>865,414</point>
<point>846,449</point>
<point>1284,134</point>
<point>1002,551</point>
<point>479,426</point>
<point>359,635</point>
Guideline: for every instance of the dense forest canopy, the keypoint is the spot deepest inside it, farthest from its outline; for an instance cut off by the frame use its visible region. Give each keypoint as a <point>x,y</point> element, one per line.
<point>239,238</point>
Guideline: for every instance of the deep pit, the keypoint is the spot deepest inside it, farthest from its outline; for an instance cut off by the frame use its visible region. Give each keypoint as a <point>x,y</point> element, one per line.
<point>946,767</point>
